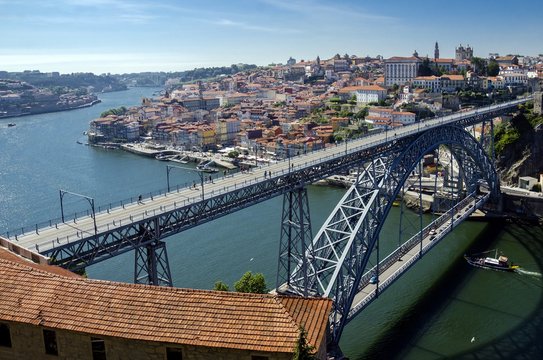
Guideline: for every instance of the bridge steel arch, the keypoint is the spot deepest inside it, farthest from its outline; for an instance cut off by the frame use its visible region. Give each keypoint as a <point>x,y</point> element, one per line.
<point>340,252</point>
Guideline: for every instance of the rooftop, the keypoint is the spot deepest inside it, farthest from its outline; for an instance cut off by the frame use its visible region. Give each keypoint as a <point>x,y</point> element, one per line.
<point>257,322</point>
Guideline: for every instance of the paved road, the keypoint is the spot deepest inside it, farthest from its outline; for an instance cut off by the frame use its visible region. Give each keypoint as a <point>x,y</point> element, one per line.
<point>73,230</point>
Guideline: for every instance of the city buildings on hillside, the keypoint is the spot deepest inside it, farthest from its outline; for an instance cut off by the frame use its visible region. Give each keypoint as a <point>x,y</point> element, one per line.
<point>276,107</point>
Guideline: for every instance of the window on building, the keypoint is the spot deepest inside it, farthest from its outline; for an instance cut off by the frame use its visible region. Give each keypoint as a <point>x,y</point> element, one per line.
<point>259,357</point>
<point>50,342</point>
<point>98,349</point>
<point>5,335</point>
<point>174,354</point>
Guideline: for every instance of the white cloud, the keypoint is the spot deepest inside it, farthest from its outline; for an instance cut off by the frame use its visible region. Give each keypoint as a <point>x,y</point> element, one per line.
<point>245,26</point>
<point>101,62</point>
<point>318,9</point>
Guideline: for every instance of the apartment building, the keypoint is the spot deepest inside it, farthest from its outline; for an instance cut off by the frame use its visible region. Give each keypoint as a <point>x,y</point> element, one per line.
<point>401,70</point>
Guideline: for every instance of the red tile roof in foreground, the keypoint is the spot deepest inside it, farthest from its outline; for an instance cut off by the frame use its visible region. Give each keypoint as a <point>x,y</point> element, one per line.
<point>257,322</point>
<point>8,255</point>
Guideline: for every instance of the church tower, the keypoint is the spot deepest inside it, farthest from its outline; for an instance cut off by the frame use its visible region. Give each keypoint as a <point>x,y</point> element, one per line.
<point>436,51</point>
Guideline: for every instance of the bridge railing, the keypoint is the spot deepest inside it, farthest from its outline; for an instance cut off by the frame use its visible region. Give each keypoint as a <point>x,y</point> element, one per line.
<point>330,153</point>
<point>78,216</point>
<point>394,256</point>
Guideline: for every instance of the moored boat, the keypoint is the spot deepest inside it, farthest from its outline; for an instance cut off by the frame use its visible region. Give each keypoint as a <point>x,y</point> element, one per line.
<point>207,169</point>
<point>500,263</point>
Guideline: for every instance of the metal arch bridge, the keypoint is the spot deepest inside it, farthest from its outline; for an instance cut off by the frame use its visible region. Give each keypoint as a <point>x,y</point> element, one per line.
<point>305,266</point>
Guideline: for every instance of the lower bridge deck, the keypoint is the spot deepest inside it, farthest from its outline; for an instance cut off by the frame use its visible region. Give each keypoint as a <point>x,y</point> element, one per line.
<point>380,277</point>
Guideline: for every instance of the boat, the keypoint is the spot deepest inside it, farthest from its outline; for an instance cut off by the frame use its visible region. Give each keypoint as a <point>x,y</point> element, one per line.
<point>11,124</point>
<point>500,263</point>
<point>164,157</point>
<point>205,166</point>
<point>207,169</point>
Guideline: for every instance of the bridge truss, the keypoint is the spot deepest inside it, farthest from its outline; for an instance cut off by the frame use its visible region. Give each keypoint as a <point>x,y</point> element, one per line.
<point>145,233</point>
<point>337,257</point>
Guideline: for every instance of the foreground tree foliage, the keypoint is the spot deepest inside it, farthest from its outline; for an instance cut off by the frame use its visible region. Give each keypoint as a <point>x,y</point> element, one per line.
<point>251,283</point>
<point>303,350</point>
<point>220,286</point>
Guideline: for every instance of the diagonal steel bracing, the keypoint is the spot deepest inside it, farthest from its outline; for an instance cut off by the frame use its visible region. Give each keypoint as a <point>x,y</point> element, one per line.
<point>295,241</point>
<point>343,246</point>
<point>81,248</point>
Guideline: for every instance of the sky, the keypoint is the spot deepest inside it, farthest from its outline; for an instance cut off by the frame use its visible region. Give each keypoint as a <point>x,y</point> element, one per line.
<point>123,36</point>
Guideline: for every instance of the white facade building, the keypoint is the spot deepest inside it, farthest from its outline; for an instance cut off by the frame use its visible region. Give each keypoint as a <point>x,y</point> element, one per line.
<point>364,94</point>
<point>400,70</point>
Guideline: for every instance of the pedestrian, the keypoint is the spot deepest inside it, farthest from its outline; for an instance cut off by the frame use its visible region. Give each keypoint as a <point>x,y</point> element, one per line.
<point>139,199</point>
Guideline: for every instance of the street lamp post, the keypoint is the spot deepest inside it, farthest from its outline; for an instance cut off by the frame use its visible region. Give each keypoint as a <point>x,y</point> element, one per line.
<point>288,157</point>
<point>63,193</point>
<point>200,173</point>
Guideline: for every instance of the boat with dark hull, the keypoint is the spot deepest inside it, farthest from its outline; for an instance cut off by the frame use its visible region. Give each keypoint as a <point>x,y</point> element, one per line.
<point>500,263</point>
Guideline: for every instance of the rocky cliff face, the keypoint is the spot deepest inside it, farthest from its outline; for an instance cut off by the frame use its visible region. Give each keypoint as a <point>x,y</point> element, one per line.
<point>524,157</point>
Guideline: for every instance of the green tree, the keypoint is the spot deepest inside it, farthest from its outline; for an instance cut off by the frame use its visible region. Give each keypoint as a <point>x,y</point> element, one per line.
<point>479,65</point>
<point>493,69</point>
<point>303,350</point>
<point>220,286</point>
<point>251,283</point>
<point>424,68</point>
<point>362,113</point>
<point>233,154</point>
<point>117,111</point>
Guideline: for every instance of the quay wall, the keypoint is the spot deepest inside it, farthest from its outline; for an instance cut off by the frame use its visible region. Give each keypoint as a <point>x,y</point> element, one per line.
<point>525,206</point>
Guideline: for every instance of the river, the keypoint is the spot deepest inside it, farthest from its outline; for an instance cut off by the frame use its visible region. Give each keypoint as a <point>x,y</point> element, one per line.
<point>440,308</point>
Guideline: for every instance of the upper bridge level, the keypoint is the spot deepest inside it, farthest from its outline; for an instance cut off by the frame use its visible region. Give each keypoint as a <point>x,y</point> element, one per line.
<point>80,241</point>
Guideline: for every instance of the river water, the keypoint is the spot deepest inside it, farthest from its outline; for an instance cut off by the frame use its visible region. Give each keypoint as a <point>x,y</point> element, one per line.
<point>441,308</point>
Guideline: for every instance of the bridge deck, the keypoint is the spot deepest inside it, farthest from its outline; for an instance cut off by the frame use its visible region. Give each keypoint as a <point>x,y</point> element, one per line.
<point>398,262</point>
<point>74,230</point>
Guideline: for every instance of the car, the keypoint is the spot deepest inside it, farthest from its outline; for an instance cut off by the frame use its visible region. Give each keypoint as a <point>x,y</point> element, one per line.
<point>374,279</point>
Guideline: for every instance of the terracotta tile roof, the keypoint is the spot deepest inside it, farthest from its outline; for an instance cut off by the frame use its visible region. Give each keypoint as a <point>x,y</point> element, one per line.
<point>402,58</point>
<point>10,256</point>
<point>443,60</point>
<point>362,88</point>
<point>256,322</point>
<point>453,77</point>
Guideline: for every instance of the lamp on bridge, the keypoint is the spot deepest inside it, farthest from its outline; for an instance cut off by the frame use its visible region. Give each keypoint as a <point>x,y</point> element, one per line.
<point>200,173</point>
<point>89,199</point>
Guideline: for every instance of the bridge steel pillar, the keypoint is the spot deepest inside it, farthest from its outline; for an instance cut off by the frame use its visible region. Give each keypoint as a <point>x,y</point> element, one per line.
<point>343,246</point>
<point>295,242</point>
<point>151,266</point>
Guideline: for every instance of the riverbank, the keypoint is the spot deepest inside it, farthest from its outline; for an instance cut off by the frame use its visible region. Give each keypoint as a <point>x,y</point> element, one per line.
<point>47,110</point>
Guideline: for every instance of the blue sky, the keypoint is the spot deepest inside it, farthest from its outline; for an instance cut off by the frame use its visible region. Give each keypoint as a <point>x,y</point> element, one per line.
<point>164,35</point>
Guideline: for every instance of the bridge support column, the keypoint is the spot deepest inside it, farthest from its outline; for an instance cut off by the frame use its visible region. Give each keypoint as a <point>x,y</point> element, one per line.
<point>296,237</point>
<point>152,266</point>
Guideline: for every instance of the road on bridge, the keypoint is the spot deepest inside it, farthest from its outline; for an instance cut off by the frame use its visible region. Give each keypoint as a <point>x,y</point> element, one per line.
<point>58,234</point>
